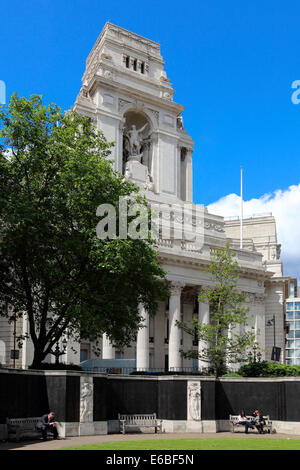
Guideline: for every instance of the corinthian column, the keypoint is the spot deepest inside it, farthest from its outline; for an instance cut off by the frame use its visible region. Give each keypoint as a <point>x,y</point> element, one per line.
<point>175,360</point>
<point>203,317</point>
<point>142,342</point>
<point>108,351</point>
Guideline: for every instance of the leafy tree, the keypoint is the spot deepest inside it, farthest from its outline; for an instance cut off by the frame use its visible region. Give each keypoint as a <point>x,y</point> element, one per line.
<point>220,341</point>
<point>54,173</point>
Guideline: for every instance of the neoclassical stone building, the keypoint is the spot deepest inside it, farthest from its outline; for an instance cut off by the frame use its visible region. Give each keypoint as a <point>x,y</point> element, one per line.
<point>126,93</point>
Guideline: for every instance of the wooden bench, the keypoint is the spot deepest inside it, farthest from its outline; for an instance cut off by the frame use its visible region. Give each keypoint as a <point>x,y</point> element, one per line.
<point>140,420</point>
<point>23,428</point>
<point>235,426</point>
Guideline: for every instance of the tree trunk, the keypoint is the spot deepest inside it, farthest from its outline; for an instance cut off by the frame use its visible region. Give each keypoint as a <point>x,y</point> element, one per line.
<point>38,357</point>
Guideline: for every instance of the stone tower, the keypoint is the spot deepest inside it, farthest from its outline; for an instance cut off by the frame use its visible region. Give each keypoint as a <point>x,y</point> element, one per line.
<point>126,93</point>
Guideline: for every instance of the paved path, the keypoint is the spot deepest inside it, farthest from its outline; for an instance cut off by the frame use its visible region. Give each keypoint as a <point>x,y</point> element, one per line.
<point>82,440</point>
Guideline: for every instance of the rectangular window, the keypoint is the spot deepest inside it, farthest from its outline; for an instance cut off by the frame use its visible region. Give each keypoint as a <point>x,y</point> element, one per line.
<point>297,362</point>
<point>143,67</point>
<point>297,353</point>
<point>292,290</point>
<point>297,345</point>
<point>167,330</point>
<point>290,315</point>
<point>297,333</point>
<point>297,315</point>
<point>297,305</point>
<point>291,324</point>
<point>289,305</point>
<point>83,355</point>
<point>297,325</point>
<point>135,64</point>
<point>291,343</point>
<point>151,328</point>
<point>127,61</point>
<point>291,334</point>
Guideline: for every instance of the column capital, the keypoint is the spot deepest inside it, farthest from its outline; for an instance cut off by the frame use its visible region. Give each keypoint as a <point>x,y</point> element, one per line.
<point>200,289</point>
<point>176,287</point>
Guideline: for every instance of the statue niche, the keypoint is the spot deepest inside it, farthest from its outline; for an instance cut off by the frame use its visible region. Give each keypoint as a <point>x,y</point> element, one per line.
<point>137,148</point>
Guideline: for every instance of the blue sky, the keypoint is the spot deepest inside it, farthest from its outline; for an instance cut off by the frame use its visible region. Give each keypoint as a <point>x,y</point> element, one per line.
<point>231,63</point>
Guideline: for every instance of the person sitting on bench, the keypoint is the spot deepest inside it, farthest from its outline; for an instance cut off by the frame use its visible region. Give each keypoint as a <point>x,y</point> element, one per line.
<point>259,421</point>
<point>243,420</point>
<point>48,423</point>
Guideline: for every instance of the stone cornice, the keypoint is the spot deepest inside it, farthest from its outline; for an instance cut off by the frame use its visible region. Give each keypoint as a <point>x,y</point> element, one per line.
<point>175,259</point>
<point>127,34</point>
<point>133,92</point>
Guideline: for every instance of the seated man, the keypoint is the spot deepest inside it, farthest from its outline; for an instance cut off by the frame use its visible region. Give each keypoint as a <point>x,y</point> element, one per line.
<point>48,423</point>
<point>259,421</point>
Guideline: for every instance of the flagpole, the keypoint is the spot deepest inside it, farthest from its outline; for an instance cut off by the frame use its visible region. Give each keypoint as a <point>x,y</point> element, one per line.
<point>241,218</point>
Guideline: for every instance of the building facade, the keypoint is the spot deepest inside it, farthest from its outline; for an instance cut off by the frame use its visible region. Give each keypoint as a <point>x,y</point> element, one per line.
<point>127,94</point>
<point>292,317</point>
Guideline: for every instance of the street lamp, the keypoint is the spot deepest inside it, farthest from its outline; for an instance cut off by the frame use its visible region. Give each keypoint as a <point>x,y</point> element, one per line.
<point>276,351</point>
<point>270,323</point>
<point>57,352</point>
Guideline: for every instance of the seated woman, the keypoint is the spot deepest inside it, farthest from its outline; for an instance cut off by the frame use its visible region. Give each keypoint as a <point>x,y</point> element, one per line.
<point>243,420</point>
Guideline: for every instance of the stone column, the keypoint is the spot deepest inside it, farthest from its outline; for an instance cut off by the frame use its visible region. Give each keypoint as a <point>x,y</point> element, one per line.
<point>203,317</point>
<point>175,360</point>
<point>189,175</point>
<point>142,342</point>
<point>108,351</point>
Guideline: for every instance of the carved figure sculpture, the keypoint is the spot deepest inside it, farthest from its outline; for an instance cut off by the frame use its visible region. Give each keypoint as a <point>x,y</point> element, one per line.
<point>135,139</point>
<point>86,402</point>
<point>194,395</point>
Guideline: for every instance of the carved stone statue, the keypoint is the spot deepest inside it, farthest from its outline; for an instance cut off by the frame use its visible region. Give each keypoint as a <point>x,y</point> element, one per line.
<point>179,122</point>
<point>86,402</point>
<point>194,401</point>
<point>134,140</point>
<point>149,185</point>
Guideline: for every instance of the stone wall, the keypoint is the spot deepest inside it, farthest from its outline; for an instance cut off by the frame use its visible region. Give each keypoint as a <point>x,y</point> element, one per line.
<point>89,403</point>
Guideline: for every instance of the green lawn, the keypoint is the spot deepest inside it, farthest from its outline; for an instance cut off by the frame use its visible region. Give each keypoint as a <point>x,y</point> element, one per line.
<point>197,444</point>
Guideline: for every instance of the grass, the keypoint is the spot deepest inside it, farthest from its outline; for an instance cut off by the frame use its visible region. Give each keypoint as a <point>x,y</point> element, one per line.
<point>197,444</point>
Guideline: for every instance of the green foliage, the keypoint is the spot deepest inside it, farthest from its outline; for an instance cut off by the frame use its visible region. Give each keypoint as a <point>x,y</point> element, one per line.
<point>221,340</point>
<point>54,173</point>
<point>268,369</point>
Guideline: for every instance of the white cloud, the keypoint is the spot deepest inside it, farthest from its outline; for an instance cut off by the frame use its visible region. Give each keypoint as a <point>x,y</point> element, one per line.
<point>285,207</point>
